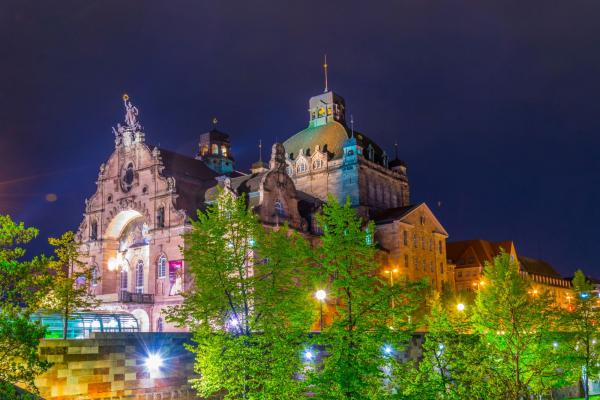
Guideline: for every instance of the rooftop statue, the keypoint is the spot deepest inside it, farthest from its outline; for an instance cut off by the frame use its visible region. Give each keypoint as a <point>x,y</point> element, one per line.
<point>131,115</point>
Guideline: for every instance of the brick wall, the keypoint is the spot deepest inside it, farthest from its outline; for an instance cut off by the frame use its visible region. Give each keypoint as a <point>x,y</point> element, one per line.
<point>112,366</point>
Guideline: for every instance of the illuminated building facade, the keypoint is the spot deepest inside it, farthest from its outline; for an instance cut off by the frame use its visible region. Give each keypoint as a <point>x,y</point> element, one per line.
<point>134,224</point>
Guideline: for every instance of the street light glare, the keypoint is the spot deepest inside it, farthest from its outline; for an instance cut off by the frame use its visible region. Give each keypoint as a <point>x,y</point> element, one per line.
<point>154,362</point>
<point>460,307</point>
<point>320,295</point>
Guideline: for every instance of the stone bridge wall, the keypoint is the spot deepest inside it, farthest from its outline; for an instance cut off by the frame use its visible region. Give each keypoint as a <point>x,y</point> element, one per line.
<point>112,366</point>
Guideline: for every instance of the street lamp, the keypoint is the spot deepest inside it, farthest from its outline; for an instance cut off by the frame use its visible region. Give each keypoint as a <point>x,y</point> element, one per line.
<point>391,274</point>
<point>321,295</point>
<point>460,307</point>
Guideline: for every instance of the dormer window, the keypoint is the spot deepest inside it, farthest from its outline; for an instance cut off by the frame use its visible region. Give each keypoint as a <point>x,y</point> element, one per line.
<point>317,164</point>
<point>301,168</point>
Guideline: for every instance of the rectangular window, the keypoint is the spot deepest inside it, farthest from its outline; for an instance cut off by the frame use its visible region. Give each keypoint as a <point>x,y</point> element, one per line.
<point>415,243</point>
<point>416,264</point>
<point>442,268</point>
<point>405,234</point>
<point>406,260</point>
<point>440,247</point>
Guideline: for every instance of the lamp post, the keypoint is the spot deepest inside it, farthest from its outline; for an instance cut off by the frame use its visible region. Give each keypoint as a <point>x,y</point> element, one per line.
<point>391,274</point>
<point>321,295</point>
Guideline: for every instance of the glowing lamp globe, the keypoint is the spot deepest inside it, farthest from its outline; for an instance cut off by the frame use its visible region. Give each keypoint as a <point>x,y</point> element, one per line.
<point>320,295</point>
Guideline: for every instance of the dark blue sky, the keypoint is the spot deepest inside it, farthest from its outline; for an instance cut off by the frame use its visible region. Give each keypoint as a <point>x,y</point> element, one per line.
<point>495,105</point>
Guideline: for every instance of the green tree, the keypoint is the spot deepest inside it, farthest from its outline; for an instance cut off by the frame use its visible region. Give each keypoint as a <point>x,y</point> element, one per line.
<point>453,364</point>
<point>21,283</point>
<point>71,280</point>
<point>517,325</point>
<point>247,307</point>
<point>371,319</point>
<point>581,323</point>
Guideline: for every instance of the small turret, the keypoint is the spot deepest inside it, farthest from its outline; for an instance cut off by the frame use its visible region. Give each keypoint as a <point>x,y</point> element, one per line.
<point>215,151</point>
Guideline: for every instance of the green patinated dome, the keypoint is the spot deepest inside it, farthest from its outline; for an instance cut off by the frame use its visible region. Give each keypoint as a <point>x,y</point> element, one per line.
<point>330,138</point>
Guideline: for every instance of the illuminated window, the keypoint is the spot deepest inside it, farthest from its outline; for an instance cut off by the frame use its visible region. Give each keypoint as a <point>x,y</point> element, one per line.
<point>204,150</point>
<point>139,277</point>
<point>224,150</point>
<point>162,267</point>
<point>214,148</point>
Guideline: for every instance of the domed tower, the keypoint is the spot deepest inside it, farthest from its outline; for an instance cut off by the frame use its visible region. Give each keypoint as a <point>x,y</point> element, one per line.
<point>215,150</point>
<point>331,157</point>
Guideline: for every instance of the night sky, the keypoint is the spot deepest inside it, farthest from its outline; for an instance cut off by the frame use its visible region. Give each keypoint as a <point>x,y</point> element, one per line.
<point>495,105</point>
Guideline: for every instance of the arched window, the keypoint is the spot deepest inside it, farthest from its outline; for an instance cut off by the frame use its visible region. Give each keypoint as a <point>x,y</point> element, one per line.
<point>159,324</point>
<point>124,282</point>
<point>224,150</point>
<point>214,149</point>
<point>94,230</point>
<point>162,267</point>
<point>204,150</point>
<point>139,277</point>
<point>279,208</point>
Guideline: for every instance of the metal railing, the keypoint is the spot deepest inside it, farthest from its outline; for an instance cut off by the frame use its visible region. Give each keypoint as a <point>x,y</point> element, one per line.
<point>142,298</point>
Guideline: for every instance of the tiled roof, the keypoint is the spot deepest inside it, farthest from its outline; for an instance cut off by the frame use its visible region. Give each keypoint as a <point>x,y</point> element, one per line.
<point>393,214</point>
<point>484,250</point>
<point>538,267</point>
<point>192,179</point>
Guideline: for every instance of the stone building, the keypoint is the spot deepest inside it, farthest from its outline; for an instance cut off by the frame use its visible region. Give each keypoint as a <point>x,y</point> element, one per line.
<point>471,256</point>
<point>133,225</point>
<point>329,157</point>
<point>415,245</point>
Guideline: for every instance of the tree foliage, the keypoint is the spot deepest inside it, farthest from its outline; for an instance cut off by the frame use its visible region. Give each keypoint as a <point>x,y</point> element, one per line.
<point>518,325</point>
<point>22,283</point>
<point>247,306</point>
<point>71,280</point>
<point>451,366</point>
<point>581,331</point>
<point>366,330</point>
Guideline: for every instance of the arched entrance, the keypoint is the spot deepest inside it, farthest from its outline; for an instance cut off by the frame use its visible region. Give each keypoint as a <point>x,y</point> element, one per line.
<point>142,318</point>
